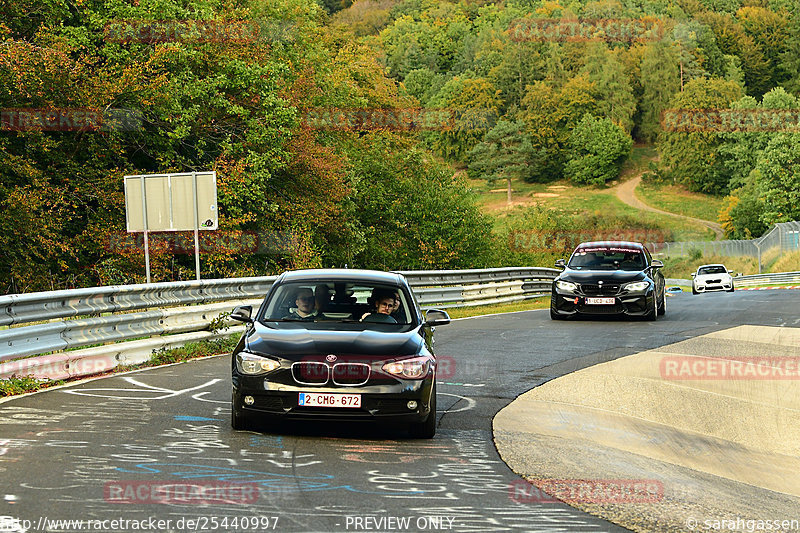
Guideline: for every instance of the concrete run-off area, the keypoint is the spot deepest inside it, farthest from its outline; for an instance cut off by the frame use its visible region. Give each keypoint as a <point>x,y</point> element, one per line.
<point>713,422</point>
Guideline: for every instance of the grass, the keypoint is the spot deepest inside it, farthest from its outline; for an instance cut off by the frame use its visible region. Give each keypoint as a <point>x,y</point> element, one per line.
<point>194,350</point>
<point>565,197</point>
<point>683,267</point>
<point>789,262</point>
<point>678,199</point>
<point>13,386</point>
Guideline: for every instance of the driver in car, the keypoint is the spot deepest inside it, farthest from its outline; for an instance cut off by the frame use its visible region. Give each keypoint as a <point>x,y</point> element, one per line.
<point>382,303</point>
<point>306,308</point>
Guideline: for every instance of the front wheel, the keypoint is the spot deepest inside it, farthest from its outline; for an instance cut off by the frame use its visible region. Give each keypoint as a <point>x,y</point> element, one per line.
<point>653,313</point>
<point>427,428</point>
<point>662,309</point>
<point>239,420</point>
<point>731,289</point>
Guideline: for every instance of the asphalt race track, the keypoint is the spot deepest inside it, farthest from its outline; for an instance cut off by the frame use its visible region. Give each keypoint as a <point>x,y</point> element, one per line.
<point>111,452</point>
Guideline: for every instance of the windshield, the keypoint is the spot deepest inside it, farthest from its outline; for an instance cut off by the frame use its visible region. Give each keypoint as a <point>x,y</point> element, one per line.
<point>718,269</point>
<point>339,301</point>
<point>607,258</point>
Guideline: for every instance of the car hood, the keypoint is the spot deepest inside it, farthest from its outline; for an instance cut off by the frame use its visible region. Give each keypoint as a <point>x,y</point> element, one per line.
<point>299,341</point>
<point>606,276</point>
<point>703,277</point>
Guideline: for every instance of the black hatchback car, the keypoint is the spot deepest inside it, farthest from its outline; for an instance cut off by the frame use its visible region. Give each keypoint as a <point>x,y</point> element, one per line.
<point>337,344</point>
<point>609,277</point>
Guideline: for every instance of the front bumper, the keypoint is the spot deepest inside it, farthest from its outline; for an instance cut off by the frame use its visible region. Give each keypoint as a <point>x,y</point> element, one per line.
<point>722,285</point>
<point>626,304</point>
<point>378,401</point>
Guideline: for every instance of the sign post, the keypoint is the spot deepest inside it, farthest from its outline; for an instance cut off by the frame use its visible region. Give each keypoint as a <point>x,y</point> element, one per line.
<point>171,202</point>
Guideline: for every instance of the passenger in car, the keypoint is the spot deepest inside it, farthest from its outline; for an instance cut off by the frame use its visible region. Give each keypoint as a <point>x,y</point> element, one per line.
<point>305,302</point>
<point>322,298</point>
<point>382,303</point>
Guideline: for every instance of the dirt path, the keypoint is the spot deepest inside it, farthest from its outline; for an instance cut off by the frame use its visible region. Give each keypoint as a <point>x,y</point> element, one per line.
<point>625,192</point>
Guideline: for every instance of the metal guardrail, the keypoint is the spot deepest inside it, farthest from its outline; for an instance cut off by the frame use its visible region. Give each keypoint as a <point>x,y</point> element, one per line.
<point>789,278</point>
<point>171,314</point>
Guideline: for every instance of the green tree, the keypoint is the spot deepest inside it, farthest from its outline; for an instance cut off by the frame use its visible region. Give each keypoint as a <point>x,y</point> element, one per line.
<point>660,83</point>
<point>777,179</point>
<point>502,155</point>
<point>689,151</point>
<point>612,86</point>
<point>598,147</point>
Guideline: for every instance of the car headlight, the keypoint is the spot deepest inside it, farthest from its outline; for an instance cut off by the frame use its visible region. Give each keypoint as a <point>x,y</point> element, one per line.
<point>637,286</point>
<point>566,286</point>
<point>252,364</point>
<point>414,368</point>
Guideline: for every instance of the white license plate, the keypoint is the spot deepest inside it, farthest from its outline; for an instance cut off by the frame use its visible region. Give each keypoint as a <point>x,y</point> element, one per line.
<point>315,399</point>
<point>600,301</point>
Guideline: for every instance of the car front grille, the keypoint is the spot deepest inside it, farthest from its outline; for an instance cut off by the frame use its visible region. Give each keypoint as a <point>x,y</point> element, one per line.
<point>713,281</point>
<point>592,289</point>
<point>310,373</point>
<point>342,374</point>
<point>350,374</point>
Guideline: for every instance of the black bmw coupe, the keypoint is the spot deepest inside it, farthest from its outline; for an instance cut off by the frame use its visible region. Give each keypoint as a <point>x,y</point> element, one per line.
<point>609,278</point>
<point>337,344</point>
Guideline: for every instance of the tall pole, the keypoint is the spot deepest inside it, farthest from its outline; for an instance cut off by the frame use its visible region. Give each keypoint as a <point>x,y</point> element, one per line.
<point>196,226</point>
<point>146,243</point>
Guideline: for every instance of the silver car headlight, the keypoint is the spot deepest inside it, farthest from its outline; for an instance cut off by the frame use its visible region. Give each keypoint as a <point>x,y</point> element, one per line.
<point>637,286</point>
<point>566,286</point>
<point>252,364</point>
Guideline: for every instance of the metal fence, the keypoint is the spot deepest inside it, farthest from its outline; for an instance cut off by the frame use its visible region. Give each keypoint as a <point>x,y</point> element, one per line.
<point>83,327</point>
<point>782,238</point>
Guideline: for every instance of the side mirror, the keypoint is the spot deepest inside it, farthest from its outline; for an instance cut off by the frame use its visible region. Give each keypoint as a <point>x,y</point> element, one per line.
<point>732,273</point>
<point>242,313</point>
<point>560,263</point>
<point>436,317</point>
<point>657,263</point>
<point>693,274</point>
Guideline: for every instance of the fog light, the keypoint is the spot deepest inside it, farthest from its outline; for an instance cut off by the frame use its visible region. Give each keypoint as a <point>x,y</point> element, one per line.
<point>412,405</point>
<point>249,400</point>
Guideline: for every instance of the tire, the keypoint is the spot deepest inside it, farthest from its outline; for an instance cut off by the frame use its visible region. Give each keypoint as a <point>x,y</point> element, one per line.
<point>427,428</point>
<point>556,316</point>
<point>662,310</point>
<point>694,291</point>
<point>239,420</point>
<point>653,313</point>
<point>731,289</point>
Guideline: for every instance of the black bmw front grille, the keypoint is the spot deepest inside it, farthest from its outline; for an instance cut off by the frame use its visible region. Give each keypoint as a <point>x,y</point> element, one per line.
<point>319,373</point>
<point>592,289</point>
<point>310,373</point>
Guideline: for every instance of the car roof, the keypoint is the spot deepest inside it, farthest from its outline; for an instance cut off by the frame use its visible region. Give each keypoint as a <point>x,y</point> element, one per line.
<point>711,265</point>
<point>342,274</point>
<point>629,244</point>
